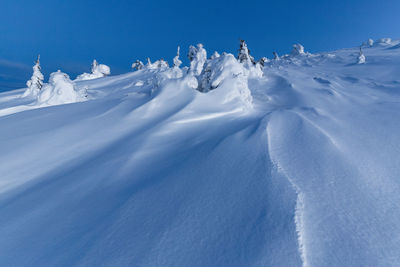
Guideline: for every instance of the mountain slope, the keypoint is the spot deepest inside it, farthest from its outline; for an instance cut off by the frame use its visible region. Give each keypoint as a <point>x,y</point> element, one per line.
<point>297,166</point>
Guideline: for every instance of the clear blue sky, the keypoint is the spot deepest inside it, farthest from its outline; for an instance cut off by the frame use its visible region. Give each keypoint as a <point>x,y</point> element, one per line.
<point>70,33</point>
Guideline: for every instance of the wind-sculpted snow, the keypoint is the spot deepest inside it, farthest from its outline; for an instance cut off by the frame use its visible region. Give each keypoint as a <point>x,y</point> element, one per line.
<point>298,166</point>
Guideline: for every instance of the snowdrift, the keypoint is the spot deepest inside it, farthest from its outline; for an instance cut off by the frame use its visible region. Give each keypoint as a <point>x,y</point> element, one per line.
<point>292,164</point>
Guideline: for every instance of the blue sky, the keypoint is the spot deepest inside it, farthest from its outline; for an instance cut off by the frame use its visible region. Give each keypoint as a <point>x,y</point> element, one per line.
<point>69,34</point>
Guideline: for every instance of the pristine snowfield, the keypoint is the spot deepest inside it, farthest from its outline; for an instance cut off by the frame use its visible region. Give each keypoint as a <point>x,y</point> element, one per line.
<point>294,165</point>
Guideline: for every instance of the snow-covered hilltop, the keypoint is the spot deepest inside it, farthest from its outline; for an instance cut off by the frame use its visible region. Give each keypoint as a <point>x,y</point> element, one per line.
<point>231,161</point>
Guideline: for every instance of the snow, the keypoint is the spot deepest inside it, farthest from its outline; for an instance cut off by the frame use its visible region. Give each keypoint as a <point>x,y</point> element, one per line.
<point>384,41</point>
<point>35,84</point>
<point>298,166</point>
<point>361,59</point>
<point>298,49</point>
<point>138,65</point>
<point>98,71</point>
<point>60,90</point>
<point>197,56</point>
<point>177,61</point>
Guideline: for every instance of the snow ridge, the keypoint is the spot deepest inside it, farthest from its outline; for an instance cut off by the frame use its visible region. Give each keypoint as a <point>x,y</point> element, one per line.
<point>299,213</point>
<point>299,208</point>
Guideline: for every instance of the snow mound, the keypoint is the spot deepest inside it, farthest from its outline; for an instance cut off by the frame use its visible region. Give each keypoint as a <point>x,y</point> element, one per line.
<point>226,72</point>
<point>60,90</point>
<point>98,71</point>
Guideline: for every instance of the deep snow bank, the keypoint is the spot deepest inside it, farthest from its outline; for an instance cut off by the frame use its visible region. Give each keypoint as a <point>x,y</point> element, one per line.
<point>152,172</point>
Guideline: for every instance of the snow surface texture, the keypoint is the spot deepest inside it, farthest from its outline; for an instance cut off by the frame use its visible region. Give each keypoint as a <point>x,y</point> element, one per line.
<point>297,167</point>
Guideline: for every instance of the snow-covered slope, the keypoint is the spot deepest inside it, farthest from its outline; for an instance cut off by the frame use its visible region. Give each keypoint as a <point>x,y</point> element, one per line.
<point>297,166</point>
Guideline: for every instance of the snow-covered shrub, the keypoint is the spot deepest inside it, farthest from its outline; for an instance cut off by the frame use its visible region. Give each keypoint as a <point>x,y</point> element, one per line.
<point>60,90</point>
<point>361,57</point>
<point>138,65</point>
<point>158,64</point>
<point>298,49</point>
<point>197,56</point>
<point>98,71</point>
<point>177,61</point>
<point>384,41</point>
<point>35,84</point>
<point>161,63</point>
<point>370,42</point>
<point>215,55</point>
<point>244,56</point>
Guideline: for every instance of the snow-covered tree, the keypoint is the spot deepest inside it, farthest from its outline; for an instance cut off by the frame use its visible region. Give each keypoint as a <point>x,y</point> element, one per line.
<point>384,41</point>
<point>263,60</point>
<point>192,53</point>
<point>226,73</point>
<point>138,65</point>
<point>97,71</point>
<point>100,69</point>
<point>244,54</point>
<point>215,55</point>
<point>161,63</point>
<point>35,84</point>
<point>94,65</point>
<point>177,61</point>
<point>298,49</point>
<point>276,56</point>
<point>370,42</point>
<point>197,56</point>
<point>60,90</point>
<point>361,57</point>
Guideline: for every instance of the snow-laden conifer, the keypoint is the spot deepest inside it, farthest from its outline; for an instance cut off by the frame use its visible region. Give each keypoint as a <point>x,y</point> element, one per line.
<point>158,64</point>
<point>197,56</point>
<point>148,64</point>
<point>276,56</point>
<point>215,55</point>
<point>161,63</point>
<point>35,84</point>
<point>60,90</point>
<point>138,65</point>
<point>298,49</point>
<point>177,61</point>
<point>370,42</point>
<point>244,54</point>
<point>263,61</point>
<point>361,57</point>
